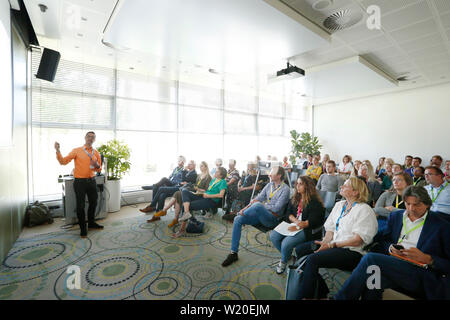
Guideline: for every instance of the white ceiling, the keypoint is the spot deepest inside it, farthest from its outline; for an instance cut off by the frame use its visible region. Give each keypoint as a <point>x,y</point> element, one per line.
<point>184,41</point>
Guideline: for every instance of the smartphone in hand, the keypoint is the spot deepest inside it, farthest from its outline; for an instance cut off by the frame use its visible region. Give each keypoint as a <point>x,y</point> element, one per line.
<point>398,246</point>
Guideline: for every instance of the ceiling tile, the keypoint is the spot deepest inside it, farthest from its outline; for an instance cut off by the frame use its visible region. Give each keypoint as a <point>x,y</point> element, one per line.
<point>357,33</point>
<point>423,42</point>
<point>425,61</point>
<point>429,52</point>
<point>368,45</point>
<point>387,6</point>
<point>409,15</point>
<point>442,5</point>
<point>415,31</point>
<point>445,19</point>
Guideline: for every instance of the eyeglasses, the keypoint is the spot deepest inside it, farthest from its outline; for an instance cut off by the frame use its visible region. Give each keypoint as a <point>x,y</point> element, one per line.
<point>430,174</point>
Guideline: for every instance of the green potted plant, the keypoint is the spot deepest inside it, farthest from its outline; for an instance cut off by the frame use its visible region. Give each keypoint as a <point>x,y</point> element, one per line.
<point>116,157</point>
<point>303,143</point>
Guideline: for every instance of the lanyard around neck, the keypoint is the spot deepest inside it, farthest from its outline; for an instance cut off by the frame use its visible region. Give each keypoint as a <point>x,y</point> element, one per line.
<point>397,203</point>
<point>410,230</point>
<point>433,199</point>
<point>215,182</point>
<point>344,212</point>
<point>272,193</point>
<point>89,155</point>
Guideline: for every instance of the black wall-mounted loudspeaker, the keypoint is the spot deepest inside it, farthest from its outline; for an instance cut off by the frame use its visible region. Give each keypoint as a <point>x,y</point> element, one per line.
<point>49,65</point>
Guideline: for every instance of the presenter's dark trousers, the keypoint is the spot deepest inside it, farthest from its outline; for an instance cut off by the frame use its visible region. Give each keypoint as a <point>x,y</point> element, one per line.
<point>82,188</point>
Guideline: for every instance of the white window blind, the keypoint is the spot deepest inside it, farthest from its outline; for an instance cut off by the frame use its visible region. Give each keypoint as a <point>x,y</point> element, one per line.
<point>80,96</point>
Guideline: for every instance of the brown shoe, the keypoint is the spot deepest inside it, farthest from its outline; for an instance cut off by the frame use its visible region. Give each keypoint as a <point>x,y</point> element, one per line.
<point>154,219</point>
<point>174,222</point>
<point>160,213</point>
<point>147,209</point>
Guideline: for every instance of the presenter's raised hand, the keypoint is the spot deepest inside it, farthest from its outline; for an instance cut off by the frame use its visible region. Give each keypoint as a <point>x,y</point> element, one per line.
<point>57,146</point>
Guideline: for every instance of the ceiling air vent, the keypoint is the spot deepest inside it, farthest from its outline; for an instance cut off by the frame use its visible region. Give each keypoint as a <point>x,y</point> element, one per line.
<point>342,19</point>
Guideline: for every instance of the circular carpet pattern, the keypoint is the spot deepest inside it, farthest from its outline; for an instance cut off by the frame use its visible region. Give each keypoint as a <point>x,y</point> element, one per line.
<point>224,290</point>
<point>110,274</point>
<point>31,259</point>
<point>171,285</point>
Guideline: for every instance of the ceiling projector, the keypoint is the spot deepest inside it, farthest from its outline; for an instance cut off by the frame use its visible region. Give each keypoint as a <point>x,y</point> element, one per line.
<point>291,72</point>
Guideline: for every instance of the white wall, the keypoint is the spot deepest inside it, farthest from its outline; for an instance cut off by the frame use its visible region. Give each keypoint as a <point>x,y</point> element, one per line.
<point>412,122</point>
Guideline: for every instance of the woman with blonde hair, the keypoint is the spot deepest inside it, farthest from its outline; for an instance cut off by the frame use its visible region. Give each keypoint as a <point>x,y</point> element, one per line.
<point>375,190</point>
<point>386,174</point>
<point>356,166</point>
<point>203,180</point>
<point>350,226</point>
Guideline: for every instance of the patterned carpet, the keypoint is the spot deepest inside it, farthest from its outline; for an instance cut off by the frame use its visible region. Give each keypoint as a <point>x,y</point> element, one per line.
<point>133,259</point>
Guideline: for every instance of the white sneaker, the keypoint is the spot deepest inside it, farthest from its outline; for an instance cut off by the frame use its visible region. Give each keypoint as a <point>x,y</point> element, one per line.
<point>185,216</point>
<point>281,267</point>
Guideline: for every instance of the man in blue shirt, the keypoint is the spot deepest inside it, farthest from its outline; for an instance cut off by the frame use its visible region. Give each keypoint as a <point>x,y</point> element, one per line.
<point>266,209</point>
<point>439,191</point>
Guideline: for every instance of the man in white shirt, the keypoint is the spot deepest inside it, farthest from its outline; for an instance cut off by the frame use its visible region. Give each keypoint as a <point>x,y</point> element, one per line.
<point>439,191</point>
<point>415,236</point>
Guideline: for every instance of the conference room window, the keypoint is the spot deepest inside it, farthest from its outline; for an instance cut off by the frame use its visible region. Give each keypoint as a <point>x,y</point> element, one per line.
<point>153,155</point>
<point>146,115</point>
<point>200,120</point>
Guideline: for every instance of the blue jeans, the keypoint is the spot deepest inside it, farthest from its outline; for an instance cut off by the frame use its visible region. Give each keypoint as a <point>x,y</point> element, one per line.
<point>285,244</point>
<point>394,273</point>
<point>256,214</point>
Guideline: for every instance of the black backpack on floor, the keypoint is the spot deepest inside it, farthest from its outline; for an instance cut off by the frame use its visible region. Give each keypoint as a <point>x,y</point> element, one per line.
<point>37,214</point>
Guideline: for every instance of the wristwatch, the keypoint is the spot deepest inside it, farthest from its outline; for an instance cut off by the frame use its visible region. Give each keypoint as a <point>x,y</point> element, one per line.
<point>298,227</point>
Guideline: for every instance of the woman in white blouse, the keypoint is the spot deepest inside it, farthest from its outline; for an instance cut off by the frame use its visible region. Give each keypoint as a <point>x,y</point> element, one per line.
<point>350,227</point>
<point>345,167</point>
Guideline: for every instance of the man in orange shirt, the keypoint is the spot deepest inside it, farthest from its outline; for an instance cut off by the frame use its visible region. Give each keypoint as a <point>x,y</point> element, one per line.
<point>87,162</point>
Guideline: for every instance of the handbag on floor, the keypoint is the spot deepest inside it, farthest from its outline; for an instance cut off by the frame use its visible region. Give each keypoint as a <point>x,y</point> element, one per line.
<point>37,214</point>
<point>294,278</point>
<point>195,226</point>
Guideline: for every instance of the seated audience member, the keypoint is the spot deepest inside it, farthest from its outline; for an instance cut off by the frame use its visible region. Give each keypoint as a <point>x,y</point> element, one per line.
<point>188,175</point>
<point>447,170</point>
<point>331,181</point>
<point>266,209</point>
<point>366,171</point>
<point>416,161</point>
<point>302,160</point>
<point>232,180</point>
<point>345,167</point>
<point>392,199</point>
<point>424,238</point>
<point>408,163</point>
<point>386,176</point>
<point>383,169</point>
<point>219,163</point>
<point>308,162</point>
<point>202,200</point>
<point>315,170</point>
<point>201,185</point>
<point>350,227</point>
<point>269,158</point>
<point>419,177</point>
<point>323,164</point>
<point>355,170</point>
<point>175,176</point>
<point>307,212</point>
<point>258,159</point>
<point>286,165</point>
<point>436,161</point>
<point>245,190</point>
<point>439,191</point>
<point>380,165</point>
<point>396,168</point>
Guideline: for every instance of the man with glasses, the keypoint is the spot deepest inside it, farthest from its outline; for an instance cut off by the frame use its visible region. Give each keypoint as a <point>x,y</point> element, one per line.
<point>439,191</point>
<point>436,161</point>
